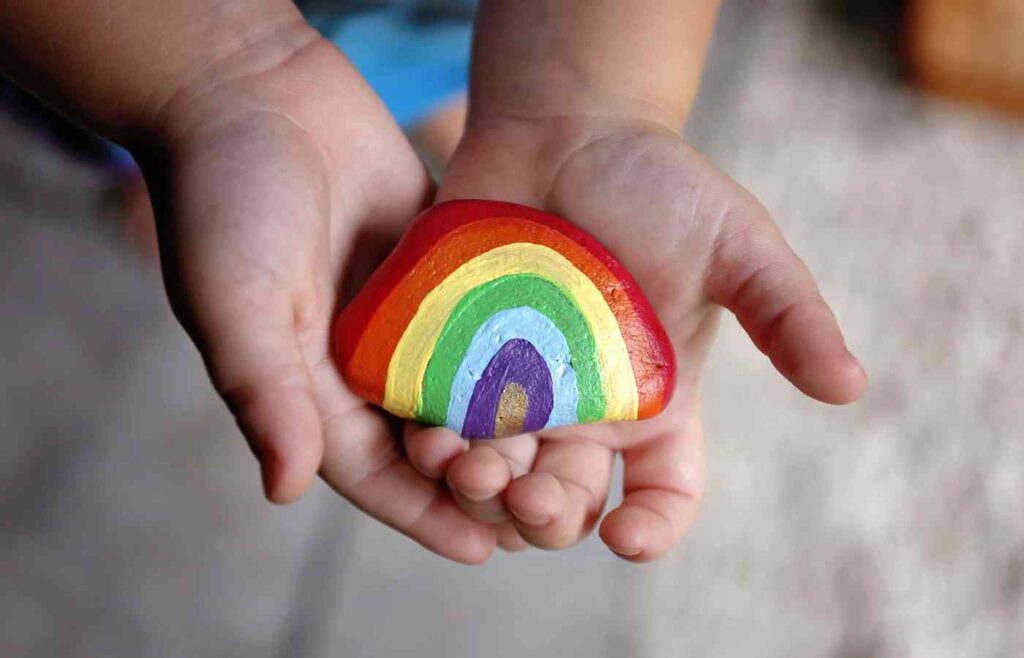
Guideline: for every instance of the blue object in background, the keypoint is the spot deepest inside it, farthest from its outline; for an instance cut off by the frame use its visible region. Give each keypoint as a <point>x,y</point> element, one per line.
<point>414,60</point>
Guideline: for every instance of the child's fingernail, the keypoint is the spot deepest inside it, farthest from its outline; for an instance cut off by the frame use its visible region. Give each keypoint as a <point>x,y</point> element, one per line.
<point>531,519</point>
<point>627,551</point>
<point>853,357</point>
<point>431,472</point>
<point>267,478</point>
<point>477,496</point>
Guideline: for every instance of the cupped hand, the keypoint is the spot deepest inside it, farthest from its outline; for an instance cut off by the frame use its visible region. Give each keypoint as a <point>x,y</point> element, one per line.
<point>696,241</point>
<point>274,191</point>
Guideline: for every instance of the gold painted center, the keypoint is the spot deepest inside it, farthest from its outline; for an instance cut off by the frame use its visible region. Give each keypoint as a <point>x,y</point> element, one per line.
<point>511,413</point>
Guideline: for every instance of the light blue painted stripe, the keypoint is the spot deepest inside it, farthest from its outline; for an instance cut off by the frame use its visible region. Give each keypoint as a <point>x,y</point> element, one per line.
<point>529,324</point>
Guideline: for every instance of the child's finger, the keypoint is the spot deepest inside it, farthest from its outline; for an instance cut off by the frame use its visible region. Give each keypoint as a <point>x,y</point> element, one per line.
<point>256,364</point>
<point>431,450</point>
<point>363,463</point>
<point>558,502</point>
<point>477,479</point>
<point>756,275</point>
<point>663,481</point>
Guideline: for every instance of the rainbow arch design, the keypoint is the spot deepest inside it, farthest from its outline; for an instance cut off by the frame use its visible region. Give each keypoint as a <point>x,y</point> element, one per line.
<point>493,319</point>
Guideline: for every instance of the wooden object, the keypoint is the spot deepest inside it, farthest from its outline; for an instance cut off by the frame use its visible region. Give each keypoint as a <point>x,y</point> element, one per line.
<point>494,319</point>
<point>971,50</point>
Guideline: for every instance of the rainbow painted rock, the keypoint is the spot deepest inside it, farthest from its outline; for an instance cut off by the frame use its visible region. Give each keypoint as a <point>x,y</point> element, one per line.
<point>495,319</point>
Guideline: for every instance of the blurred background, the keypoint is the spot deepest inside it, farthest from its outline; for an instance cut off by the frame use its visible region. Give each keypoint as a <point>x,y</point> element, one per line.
<point>883,138</point>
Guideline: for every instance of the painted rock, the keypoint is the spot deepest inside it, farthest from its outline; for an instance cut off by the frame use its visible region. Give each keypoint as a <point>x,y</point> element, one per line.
<point>495,319</point>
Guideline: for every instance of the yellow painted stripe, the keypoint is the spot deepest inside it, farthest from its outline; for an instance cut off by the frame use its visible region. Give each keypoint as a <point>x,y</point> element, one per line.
<point>403,388</point>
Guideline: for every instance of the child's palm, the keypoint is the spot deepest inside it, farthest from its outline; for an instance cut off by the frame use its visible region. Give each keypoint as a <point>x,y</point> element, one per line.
<point>693,238</point>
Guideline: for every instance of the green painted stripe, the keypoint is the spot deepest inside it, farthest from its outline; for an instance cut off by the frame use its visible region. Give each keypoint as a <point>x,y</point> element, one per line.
<point>479,304</point>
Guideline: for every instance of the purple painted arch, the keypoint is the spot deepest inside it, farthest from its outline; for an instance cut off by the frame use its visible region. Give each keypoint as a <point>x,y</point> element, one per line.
<point>517,361</point>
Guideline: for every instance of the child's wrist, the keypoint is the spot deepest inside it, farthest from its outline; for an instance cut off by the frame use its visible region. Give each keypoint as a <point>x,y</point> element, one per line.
<point>225,84</point>
<point>301,78</point>
<point>541,146</point>
<point>548,101</point>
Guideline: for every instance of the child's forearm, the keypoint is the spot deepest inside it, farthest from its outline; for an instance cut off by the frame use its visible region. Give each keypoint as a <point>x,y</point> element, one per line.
<point>639,58</point>
<point>113,64</point>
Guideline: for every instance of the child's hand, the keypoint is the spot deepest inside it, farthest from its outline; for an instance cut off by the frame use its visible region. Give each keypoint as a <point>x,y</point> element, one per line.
<point>278,179</point>
<point>277,191</point>
<point>694,239</point>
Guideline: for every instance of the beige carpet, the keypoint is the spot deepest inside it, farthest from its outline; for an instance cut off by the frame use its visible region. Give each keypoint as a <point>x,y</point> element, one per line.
<point>894,527</point>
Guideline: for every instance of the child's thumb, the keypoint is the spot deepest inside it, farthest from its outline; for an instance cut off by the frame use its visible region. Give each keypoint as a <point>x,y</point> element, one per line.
<point>256,364</point>
<point>756,275</point>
